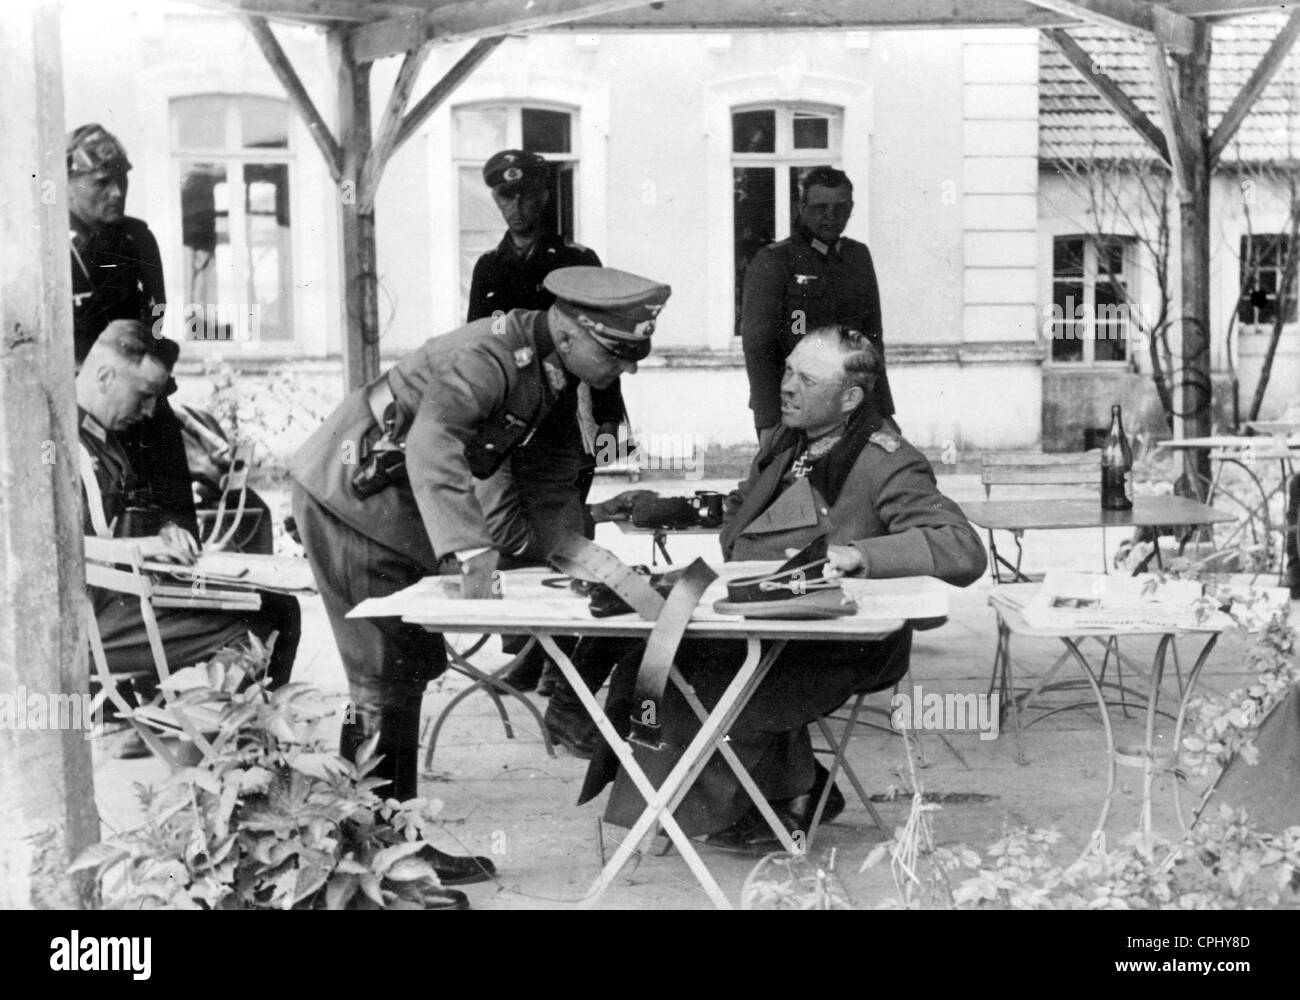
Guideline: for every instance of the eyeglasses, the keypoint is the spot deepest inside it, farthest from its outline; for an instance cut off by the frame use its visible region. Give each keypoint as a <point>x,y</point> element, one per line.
<point>808,382</point>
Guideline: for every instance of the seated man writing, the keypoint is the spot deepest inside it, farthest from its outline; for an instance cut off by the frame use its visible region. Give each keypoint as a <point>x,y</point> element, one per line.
<point>118,385</point>
<point>830,471</point>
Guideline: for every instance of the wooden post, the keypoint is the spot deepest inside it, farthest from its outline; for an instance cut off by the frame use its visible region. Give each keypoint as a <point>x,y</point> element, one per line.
<point>360,273</point>
<point>1194,229</point>
<point>47,800</point>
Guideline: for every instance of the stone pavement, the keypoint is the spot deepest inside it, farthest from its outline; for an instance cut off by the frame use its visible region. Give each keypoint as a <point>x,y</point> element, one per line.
<point>506,798</point>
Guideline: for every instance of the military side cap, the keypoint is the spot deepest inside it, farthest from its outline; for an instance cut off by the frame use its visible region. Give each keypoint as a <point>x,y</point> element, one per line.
<point>616,308</point>
<point>92,148</point>
<point>514,167</point>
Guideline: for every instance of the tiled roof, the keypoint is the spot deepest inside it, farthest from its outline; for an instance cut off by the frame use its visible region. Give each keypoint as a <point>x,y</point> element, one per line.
<point>1075,121</point>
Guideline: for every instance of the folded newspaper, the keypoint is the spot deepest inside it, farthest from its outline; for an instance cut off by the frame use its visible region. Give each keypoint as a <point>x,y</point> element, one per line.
<point>1104,601</point>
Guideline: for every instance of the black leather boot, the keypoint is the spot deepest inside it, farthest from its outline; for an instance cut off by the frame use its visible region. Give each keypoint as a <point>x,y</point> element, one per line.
<point>566,720</point>
<point>399,735</point>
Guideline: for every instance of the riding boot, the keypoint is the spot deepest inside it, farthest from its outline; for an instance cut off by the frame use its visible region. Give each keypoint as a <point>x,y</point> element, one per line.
<point>567,721</point>
<point>399,736</point>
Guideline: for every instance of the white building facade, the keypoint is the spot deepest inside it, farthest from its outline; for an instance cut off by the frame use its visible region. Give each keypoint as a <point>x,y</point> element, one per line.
<point>661,142</point>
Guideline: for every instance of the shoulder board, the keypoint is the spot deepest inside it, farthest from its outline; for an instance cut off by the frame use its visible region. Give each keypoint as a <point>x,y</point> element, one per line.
<point>886,441</point>
<point>576,246</point>
<point>779,244</point>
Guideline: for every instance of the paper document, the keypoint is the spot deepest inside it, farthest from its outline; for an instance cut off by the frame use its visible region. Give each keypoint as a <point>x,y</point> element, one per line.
<point>1103,601</point>
<point>284,574</point>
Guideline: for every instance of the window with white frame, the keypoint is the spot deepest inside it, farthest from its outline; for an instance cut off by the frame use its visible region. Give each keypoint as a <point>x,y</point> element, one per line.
<point>772,147</point>
<point>479,131</point>
<point>1092,289</point>
<point>1265,258</point>
<point>234,169</point>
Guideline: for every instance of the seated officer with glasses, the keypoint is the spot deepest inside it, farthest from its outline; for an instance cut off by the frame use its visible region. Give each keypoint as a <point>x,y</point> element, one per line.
<point>122,379</point>
<point>424,472</point>
<point>833,471</point>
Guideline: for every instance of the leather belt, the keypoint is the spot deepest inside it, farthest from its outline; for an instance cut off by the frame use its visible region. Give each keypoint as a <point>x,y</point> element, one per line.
<point>661,650</point>
<point>378,397</point>
<point>583,559</point>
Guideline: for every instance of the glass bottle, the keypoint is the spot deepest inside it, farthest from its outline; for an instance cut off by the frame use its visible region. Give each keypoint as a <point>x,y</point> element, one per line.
<point>1116,467</point>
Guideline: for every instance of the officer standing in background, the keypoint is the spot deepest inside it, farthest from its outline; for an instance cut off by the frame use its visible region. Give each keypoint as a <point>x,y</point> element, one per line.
<point>117,273</point>
<point>511,277</point>
<point>423,471</point>
<point>817,277</point>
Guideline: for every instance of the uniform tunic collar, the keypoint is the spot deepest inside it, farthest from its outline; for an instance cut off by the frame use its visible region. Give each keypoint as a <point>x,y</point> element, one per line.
<point>825,250</point>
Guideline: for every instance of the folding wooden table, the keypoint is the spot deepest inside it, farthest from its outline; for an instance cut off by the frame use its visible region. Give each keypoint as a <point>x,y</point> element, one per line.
<point>529,606</point>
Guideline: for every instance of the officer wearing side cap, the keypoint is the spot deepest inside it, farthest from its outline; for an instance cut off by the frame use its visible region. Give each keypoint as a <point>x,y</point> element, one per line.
<point>421,472</point>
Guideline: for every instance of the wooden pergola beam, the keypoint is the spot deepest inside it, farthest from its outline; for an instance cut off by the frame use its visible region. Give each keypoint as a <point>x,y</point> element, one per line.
<point>390,124</point>
<point>314,12</point>
<point>1130,16</point>
<point>1110,91</point>
<point>298,96</point>
<point>466,19</point>
<point>1253,87</point>
<point>1178,141</point>
<point>441,90</point>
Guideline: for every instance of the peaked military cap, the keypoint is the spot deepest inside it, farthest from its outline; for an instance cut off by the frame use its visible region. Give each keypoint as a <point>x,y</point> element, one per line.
<point>618,309</point>
<point>514,168</point>
<point>92,148</point>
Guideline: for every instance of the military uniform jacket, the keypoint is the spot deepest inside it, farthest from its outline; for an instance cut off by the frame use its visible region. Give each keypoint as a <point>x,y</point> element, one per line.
<point>791,288</point>
<point>889,508</point>
<point>506,279</point>
<point>465,401</point>
<point>116,274</point>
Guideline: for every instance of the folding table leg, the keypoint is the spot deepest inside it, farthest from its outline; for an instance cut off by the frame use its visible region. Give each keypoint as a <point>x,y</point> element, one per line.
<point>729,755</point>
<point>660,802</point>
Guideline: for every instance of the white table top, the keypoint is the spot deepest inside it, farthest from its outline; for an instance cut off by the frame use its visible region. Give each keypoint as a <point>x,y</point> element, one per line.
<point>529,605</point>
<point>1259,445</point>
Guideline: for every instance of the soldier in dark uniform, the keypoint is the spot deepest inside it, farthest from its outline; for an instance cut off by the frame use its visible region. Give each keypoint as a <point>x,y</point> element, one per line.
<point>817,277</point>
<point>511,277</point>
<point>117,273</point>
<point>421,472</point>
<point>120,383</point>
<point>873,497</point>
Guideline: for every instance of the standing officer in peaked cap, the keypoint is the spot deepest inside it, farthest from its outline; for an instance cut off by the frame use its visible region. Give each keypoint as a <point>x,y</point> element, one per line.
<point>418,473</point>
<point>512,275</point>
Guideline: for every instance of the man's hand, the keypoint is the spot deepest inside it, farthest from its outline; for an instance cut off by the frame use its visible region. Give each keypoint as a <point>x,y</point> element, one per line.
<point>842,560</point>
<point>765,435</point>
<point>181,540</point>
<point>172,546</point>
<point>619,508</point>
<point>478,576</point>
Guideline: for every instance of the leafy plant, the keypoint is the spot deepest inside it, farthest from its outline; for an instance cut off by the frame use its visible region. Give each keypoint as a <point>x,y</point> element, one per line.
<point>1220,728</point>
<point>270,820</point>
